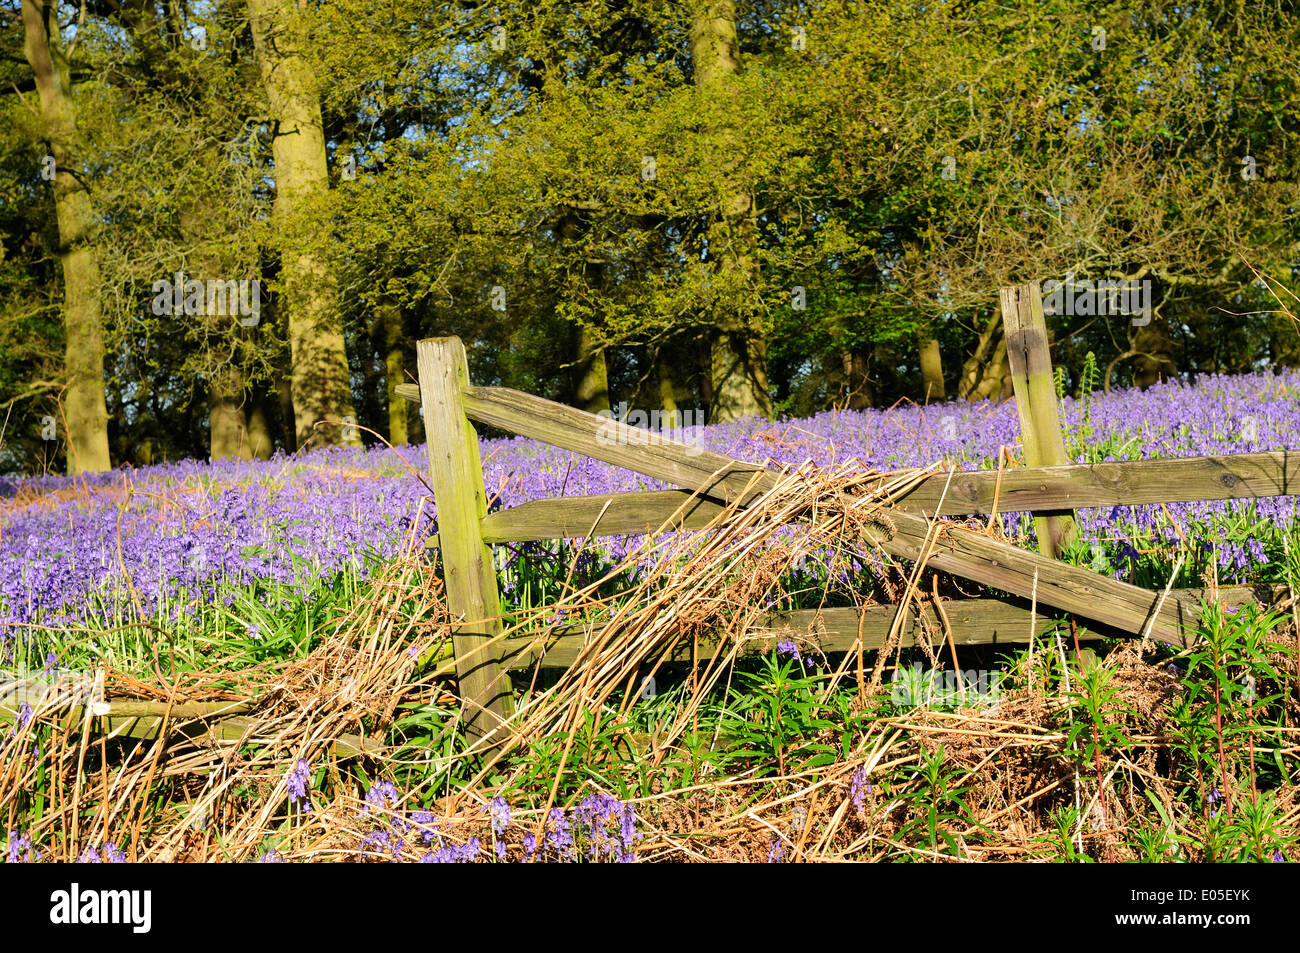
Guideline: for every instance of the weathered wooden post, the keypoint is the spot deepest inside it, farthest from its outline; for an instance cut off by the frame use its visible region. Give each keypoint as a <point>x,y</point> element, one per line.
<point>457,476</point>
<point>1030,362</point>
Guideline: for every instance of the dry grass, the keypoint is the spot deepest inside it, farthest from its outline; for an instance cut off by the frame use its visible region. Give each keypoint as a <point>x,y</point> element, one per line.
<point>201,798</point>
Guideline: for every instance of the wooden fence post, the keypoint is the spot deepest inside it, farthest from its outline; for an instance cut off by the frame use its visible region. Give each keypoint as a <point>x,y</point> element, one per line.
<point>457,476</point>
<point>1030,363</point>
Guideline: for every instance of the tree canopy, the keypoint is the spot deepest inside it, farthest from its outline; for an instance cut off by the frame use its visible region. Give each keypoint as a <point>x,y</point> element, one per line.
<point>734,207</point>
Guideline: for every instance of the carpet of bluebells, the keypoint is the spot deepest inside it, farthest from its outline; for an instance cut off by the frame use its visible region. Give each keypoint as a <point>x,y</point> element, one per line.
<point>163,539</point>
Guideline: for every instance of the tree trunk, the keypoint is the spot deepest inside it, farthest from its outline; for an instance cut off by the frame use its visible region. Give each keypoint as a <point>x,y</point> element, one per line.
<point>739,370</point>
<point>228,433</point>
<point>738,365</point>
<point>995,383</point>
<point>1153,348</point>
<point>672,391</point>
<point>321,387</point>
<point>704,366</point>
<point>857,382</point>
<point>591,384</point>
<point>284,393</point>
<point>984,375</point>
<point>931,368</point>
<point>388,318</point>
<point>227,427</point>
<point>260,443</point>
<point>84,404</point>
<point>593,374</point>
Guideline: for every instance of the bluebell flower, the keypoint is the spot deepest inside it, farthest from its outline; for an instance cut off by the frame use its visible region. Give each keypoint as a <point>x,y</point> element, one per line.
<point>500,812</point>
<point>299,785</point>
<point>775,850</point>
<point>381,796</point>
<point>559,837</point>
<point>428,826</point>
<point>788,647</point>
<point>20,848</point>
<point>20,722</point>
<point>382,842</point>
<point>858,788</point>
<point>454,853</point>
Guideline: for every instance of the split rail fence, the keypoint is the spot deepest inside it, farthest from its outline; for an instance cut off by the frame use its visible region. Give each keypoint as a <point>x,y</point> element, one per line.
<point>708,483</point>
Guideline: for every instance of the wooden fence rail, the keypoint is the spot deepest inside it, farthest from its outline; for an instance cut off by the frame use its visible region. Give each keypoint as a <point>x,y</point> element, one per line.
<point>1240,476</point>
<point>1021,490</point>
<point>708,483</point>
<point>973,622</point>
<point>960,551</point>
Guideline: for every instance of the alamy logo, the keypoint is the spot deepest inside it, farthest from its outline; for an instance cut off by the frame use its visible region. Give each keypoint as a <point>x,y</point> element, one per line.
<point>916,686</point>
<point>1104,297</point>
<point>242,299</point>
<point>52,688</point>
<point>77,906</point>
<point>656,421</point>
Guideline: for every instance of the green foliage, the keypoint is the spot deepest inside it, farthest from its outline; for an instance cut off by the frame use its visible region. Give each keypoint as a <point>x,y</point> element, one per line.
<point>936,805</point>
<point>1094,715</point>
<point>776,719</point>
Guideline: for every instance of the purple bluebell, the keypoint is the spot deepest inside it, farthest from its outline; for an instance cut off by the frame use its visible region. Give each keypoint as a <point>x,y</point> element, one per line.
<point>21,849</point>
<point>500,812</point>
<point>381,797</point>
<point>775,850</point>
<point>300,785</point>
<point>858,788</point>
<point>424,821</point>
